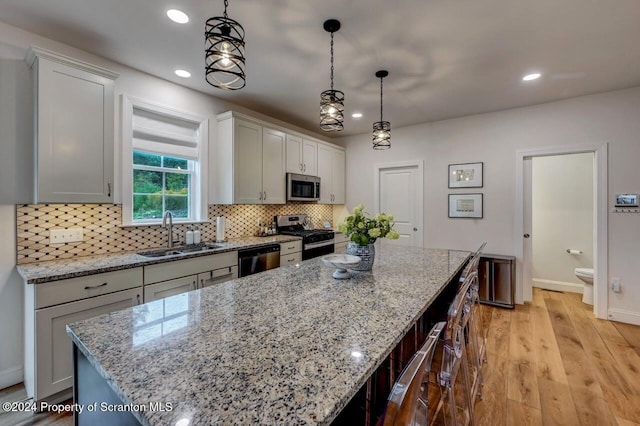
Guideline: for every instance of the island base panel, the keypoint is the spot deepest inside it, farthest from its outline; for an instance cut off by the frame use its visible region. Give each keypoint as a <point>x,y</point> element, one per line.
<point>90,388</point>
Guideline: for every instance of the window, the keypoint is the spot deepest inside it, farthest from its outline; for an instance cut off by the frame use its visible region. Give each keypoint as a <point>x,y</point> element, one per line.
<point>160,184</point>
<point>164,156</point>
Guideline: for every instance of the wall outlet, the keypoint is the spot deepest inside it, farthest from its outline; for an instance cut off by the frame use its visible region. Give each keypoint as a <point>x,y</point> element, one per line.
<point>616,286</point>
<point>68,235</point>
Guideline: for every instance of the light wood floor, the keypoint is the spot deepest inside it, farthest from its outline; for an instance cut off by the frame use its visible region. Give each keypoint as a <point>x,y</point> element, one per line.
<point>550,363</point>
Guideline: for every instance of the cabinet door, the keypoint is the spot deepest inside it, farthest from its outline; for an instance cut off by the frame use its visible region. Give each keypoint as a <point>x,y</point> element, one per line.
<point>217,277</point>
<point>74,135</point>
<point>338,173</point>
<point>294,154</point>
<point>273,167</point>
<point>247,162</point>
<point>170,288</point>
<point>54,368</point>
<point>310,158</point>
<point>325,166</point>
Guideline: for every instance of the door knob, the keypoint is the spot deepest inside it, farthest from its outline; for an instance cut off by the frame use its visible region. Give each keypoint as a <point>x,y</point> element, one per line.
<point>527,235</point>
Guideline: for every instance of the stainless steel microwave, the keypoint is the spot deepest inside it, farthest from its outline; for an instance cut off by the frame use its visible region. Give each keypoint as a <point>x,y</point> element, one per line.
<point>302,187</point>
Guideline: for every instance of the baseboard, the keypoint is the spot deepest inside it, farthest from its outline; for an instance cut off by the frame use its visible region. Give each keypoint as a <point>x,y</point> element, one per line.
<point>558,285</point>
<point>11,376</point>
<point>621,315</point>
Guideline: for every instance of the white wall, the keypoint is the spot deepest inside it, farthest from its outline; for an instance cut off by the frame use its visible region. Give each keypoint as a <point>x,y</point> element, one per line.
<point>494,139</point>
<point>562,206</point>
<point>16,101</point>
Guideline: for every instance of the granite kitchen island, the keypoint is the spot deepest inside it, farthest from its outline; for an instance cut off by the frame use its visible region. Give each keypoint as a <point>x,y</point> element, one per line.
<point>288,346</point>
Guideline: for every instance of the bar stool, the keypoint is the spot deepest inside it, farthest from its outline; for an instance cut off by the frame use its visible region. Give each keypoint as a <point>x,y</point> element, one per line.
<point>455,358</point>
<point>408,402</point>
<point>473,326</point>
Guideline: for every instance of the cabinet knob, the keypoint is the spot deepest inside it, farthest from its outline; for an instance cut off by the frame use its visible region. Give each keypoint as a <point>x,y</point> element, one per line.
<point>415,229</point>
<point>301,167</point>
<point>138,299</point>
<point>265,195</point>
<point>108,189</point>
<point>526,235</point>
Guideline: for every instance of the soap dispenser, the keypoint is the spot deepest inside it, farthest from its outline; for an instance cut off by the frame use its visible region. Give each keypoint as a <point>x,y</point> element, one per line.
<point>189,236</point>
<point>196,235</point>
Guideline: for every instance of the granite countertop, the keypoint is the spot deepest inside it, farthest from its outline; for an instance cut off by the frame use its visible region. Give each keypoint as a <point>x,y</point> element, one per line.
<point>290,345</point>
<point>53,270</point>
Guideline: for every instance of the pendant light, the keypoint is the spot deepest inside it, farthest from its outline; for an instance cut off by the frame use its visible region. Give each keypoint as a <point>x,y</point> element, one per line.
<point>224,50</point>
<point>332,101</point>
<point>381,129</point>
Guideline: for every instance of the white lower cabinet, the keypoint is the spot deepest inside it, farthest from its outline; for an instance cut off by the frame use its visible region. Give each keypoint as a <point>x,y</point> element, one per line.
<point>290,252</point>
<point>169,288</point>
<point>341,242</point>
<point>54,361</point>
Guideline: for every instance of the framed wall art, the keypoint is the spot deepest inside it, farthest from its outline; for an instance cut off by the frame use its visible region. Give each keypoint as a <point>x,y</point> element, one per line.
<point>465,206</point>
<point>466,175</point>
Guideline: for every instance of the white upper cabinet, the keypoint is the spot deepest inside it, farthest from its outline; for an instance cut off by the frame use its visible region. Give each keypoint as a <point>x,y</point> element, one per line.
<point>294,154</point>
<point>249,163</point>
<point>302,156</point>
<point>273,167</point>
<point>74,129</point>
<point>331,169</point>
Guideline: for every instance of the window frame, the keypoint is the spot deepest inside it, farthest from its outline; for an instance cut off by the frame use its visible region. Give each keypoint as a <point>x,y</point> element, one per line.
<point>200,164</point>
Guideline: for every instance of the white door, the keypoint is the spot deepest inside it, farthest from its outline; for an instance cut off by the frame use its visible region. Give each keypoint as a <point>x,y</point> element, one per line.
<point>399,191</point>
<point>325,172</point>
<point>338,177</point>
<point>309,158</point>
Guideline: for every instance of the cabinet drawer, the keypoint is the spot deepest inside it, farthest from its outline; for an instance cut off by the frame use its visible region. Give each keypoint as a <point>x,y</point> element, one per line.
<point>63,291</point>
<point>340,248</point>
<point>290,247</point>
<point>339,237</point>
<point>182,268</point>
<point>217,277</point>
<point>169,288</point>
<point>290,258</point>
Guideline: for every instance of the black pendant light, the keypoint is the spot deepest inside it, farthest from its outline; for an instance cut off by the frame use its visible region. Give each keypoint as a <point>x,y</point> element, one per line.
<point>381,129</point>
<point>332,101</point>
<point>224,49</point>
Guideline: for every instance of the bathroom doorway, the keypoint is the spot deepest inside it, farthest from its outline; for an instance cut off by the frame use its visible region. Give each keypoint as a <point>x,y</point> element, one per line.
<point>562,222</point>
<point>553,267</point>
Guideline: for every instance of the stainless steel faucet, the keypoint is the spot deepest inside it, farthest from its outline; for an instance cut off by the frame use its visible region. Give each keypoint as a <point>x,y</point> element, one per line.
<point>164,225</point>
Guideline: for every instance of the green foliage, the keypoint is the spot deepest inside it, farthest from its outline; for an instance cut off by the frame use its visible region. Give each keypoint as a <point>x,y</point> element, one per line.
<point>151,187</point>
<point>363,230</point>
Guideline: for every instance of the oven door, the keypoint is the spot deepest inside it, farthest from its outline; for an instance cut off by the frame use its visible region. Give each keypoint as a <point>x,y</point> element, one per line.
<point>302,188</point>
<point>321,248</point>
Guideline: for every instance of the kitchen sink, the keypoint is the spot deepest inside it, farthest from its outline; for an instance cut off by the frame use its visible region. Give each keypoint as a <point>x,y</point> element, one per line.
<point>164,252</point>
<point>159,253</point>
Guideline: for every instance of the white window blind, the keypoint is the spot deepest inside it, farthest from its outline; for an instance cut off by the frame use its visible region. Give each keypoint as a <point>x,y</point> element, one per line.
<point>154,132</point>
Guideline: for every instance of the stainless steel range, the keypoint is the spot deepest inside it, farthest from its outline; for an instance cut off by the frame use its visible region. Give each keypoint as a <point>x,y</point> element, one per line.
<point>315,242</point>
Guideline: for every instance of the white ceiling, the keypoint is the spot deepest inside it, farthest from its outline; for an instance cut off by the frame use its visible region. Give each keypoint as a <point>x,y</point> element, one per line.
<point>446,58</point>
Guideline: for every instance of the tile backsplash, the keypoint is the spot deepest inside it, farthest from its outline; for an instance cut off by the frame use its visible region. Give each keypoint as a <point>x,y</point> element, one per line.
<point>103,232</point>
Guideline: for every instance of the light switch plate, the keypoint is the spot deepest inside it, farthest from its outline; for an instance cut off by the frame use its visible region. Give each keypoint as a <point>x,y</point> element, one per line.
<point>616,285</point>
<point>65,235</point>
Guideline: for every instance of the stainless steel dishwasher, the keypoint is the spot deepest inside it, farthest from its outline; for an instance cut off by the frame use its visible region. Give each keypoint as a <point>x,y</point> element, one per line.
<point>252,261</point>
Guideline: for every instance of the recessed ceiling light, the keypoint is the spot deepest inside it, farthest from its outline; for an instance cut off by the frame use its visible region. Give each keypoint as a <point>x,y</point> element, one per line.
<point>177,16</point>
<point>533,76</point>
<point>356,115</point>
<point>183,73</point>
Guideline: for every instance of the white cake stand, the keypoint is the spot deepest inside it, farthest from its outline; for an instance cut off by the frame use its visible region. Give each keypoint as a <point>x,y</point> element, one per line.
<point>341,263</point>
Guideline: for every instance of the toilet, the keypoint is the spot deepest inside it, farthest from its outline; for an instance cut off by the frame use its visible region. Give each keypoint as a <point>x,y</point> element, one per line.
<point>586,276</point>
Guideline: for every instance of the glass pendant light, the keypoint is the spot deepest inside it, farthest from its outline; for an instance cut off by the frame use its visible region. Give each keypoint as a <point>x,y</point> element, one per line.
<point>224,52</point>
<point>332,101</point>
<point>381,129</point>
